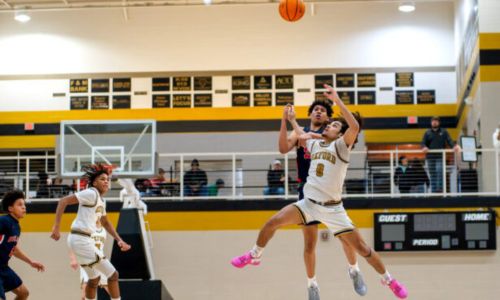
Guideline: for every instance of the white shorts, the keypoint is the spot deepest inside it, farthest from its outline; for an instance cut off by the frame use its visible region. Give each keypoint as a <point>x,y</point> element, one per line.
<point>334,217</point>
<point>84,278</point>
<point>89,257</point>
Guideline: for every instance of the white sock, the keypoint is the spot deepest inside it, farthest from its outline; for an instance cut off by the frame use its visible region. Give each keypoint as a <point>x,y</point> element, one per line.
<point>90,298</point>
<point>257,251</point>
<point>312,281</point>
<point>387,277</point>
<point>354,267</point>
<point>115,298</point>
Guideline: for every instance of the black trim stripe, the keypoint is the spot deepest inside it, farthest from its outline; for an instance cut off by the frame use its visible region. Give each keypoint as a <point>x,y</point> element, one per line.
<point>489,57</point>
<point>338,154</point>
<point>266,205</point>
<point>304,221</point>
<point>343,231</point>
<point>234,126</point>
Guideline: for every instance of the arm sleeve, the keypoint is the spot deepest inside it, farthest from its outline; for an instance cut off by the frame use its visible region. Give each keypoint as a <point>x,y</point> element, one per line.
<point>449,141</point>
<point>87,197</point>
<point>342,148</point>
<point>425,142</point>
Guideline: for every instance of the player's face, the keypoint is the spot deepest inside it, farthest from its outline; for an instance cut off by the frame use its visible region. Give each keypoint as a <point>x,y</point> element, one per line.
<point>101,183</point>
<point>332,130</point>
<point>318,115</point>
<point>18,209</point>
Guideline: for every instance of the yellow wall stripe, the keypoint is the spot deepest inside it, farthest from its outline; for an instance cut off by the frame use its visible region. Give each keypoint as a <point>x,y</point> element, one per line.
<point>489,41</point>
<point>215,114</point>
<point>28,141</point>
<point>227,220</point>
<point>489,73</point>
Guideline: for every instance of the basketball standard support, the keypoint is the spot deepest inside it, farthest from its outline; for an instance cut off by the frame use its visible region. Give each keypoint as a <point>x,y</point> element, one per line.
<point>135,266</point>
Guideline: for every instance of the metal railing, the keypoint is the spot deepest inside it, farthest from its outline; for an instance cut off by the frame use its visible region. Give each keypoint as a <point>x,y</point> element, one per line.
<point>371,174</point>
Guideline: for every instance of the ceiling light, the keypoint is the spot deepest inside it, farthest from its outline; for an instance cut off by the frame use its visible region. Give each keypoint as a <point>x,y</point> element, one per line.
<point>22,16</point>
<point>407,6</point>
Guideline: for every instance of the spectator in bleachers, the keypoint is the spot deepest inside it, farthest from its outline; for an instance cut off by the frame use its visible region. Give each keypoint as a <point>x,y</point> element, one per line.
<point>275,179</point>
<point>401,176</point>
<point>418,176</point>
<point>436,138</point>
<point>42,188</point>
<point>195,180</point>
<point>213,189</point>
<point>158,179</point>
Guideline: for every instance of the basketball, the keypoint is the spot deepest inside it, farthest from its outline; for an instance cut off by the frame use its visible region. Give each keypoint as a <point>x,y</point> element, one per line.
<point>292,10</point>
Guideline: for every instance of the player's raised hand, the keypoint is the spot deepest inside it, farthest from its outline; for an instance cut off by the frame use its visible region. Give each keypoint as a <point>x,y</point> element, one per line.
<point>331,94</point>
<point>56,234</point>
<point>291,112</point>
<point>124,246</point>
<point>38,266</point>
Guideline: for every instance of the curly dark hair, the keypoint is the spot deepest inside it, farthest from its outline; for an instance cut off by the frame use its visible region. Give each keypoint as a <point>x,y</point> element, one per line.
<point>10,197</point>
<point>325,103</point>
<point>345,126</point>
<point>91,172</point>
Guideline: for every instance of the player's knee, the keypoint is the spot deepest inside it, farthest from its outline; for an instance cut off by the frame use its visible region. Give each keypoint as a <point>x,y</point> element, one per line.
<point>94,283</point>
<point>309,246</point>
<point>23,293</point>
<point>113,277</point>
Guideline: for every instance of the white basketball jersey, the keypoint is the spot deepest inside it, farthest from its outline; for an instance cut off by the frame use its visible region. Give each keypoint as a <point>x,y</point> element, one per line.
<point>328,169</point>
<point>99,237</point>
<point>91,207</point>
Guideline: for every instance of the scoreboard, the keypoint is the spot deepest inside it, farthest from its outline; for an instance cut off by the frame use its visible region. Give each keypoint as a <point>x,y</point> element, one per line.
<point>465,230</point>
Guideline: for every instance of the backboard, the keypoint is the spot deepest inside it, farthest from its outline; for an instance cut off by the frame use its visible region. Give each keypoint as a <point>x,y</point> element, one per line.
<point>129,145</point>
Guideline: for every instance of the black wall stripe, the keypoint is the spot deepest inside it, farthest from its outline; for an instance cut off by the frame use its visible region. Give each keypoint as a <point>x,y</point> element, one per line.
<point>235,126</point>
<point>489,57</point>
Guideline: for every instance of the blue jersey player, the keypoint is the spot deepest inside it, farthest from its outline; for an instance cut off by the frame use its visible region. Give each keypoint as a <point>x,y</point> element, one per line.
<point>13,205</point>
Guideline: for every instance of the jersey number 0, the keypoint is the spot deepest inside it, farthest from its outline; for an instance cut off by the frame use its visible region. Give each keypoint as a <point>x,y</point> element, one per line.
<point>319,170</point>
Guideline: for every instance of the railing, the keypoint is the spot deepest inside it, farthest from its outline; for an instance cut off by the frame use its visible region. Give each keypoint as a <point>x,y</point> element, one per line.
<point>371,174</point>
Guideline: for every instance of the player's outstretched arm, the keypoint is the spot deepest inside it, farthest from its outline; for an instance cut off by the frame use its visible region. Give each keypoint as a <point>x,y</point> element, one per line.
<point>111,230</point>
<point>352,132</point>
<point>61,207</point>
<point>18,253</point>
<point>286,142</point>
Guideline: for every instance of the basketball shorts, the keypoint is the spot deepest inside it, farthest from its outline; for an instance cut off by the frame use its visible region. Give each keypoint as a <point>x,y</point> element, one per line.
<point>334,217</point>
<point>89,257</point>
<point>8,281</point>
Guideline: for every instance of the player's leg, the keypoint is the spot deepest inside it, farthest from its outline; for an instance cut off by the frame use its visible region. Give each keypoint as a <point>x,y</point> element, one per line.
<point>92,283</point>
<point>83,287</point>
<point>12,283</point>
<point>354,272</point>
<point>310,239</point>
<point>113,287</point>
<point>105,268</point>
<point>354,239</point>
<point>288,215</point>
<point>21,292</point>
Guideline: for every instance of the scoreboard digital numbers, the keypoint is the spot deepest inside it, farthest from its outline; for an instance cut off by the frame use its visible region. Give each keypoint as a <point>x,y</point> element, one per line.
<point>433,231</point>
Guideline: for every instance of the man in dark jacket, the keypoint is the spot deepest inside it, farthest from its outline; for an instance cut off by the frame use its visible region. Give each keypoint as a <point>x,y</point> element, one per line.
<point>436,138</point>
<point>195,180</point>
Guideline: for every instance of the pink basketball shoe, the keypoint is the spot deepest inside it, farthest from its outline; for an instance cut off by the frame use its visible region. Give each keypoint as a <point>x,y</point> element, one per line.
<point>397,288</point>
<point>245,259</point>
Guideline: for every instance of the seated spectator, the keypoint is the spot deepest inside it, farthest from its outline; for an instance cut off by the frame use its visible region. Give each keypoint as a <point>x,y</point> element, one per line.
<point>195,180</point>
<point>275,180</point>
<point>158,179</point>
<point>58,189</point>
<point>401,176</point>
<point>418,176</point>
<point>213,189</point>
<point>42,188</point>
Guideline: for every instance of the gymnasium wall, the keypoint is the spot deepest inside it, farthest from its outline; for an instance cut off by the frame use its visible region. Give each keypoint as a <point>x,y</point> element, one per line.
<point>232,37</point>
